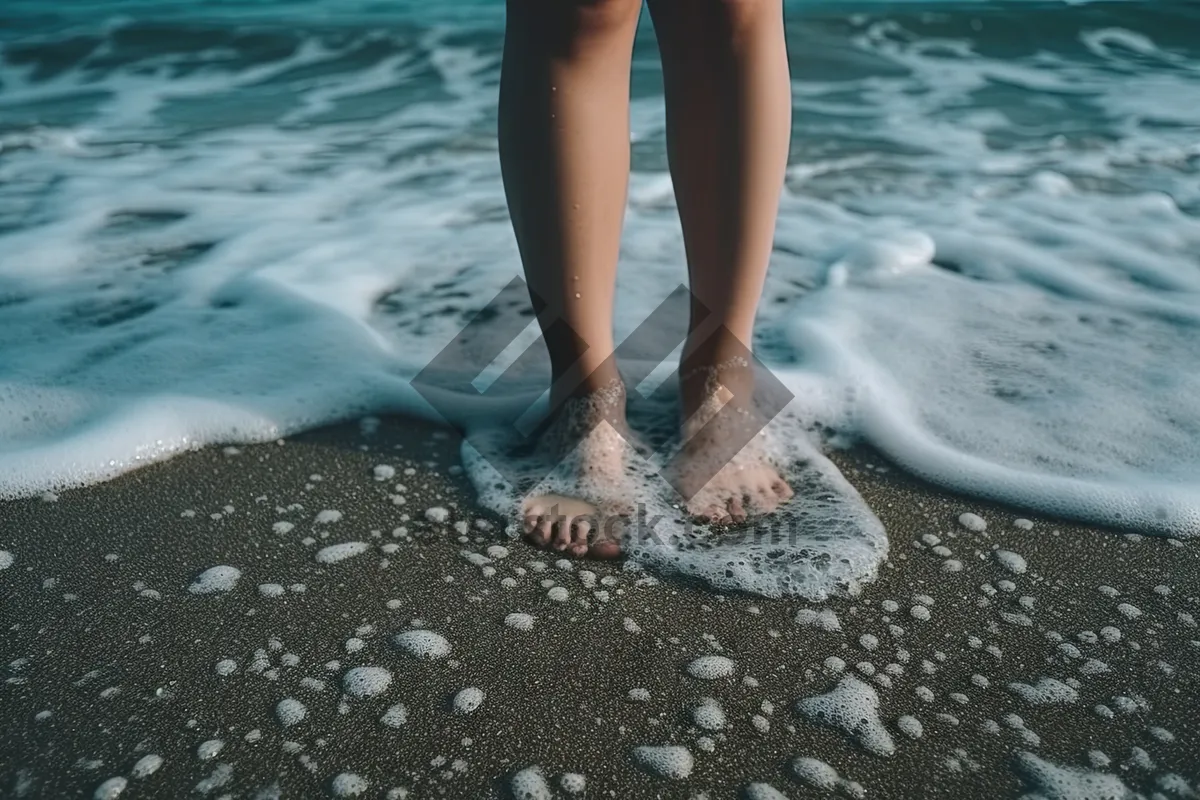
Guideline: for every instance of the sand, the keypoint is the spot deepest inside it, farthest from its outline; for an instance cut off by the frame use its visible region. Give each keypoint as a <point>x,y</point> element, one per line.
<point>108,658</point>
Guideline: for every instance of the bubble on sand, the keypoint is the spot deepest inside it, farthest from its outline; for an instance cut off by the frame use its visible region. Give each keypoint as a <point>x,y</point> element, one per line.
<point>468,700</point>
<point>1045,692</point>
<point>709,715</point>
<point>666,761</point>
<point>146,766</point>
<point>340,552</point>
<point>711,668</point>
<point>558,594</point>
<point>283,526</point>
<point>328,516</point>
<point>226,666</point>
<point>910,726</point>
<point>520,622</point>
<point>6,559</point>
<point>1023,524</point>
<point>221,578</point>
<point>347,784</point>
<point>572,783</point>
<point>270,589</point>
<point>111,789</point>
<point>423,644</point>
<point>972,522</point>
<point>639,695</point>
<point>815,773</point>
<point>1013,562</point>
<point>763,791</point>
<point>852,707</point>
<point>290,711</point>
<point>1054,782</point>
<point>1129,611</point>
<point>384,472</point>
<point>530,784</point>
<point>824,619</point>
<point>395,717</point>
<point>437,514</point>
<point>208,750</point>
<point>366,681</point>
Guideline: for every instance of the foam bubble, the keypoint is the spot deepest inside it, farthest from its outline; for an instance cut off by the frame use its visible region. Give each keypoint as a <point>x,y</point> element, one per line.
<point>572,783</point>
<point>763,791</point>
<point>366,681</point>
<point>209,749</point>
<point>111,789</point>
<point>709,715</point>
<point>146,766</point>
<point>6,559</point>
<point>215,580</point>
<point>348,784</point>
<point>711,667</point>
<point>340,552</point>
<point>468,700</point>
<point>395,717</point>
<point>1013,562</point>
<point>290,711</point>
<point>519,621</point>
<point>423,644</point>
<point>1045,692</point>
<point>666,761</point>
<point>530,784</point>
<point>1055,782</point>
<point>815,773</point>
<point>852,707</point>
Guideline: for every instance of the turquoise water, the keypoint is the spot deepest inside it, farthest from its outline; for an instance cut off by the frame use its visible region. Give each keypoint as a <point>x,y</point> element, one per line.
<point>227,221</point>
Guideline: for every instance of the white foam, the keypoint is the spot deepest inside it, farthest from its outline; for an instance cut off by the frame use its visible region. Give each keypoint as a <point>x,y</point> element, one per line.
<point>815,773</point>
<point>666,761</point>
<point>1046,691</point>
<point>852,707</point>
<point>1013,562</point>
<point>366,681</point>
<point>711,667</point>
<point>1054,782</point>
<point>146,766</point>
<point>530,784</point>
<point>519,621</point>
<point>290,711</point>
<point>215,580</point>
<point>572,783</point>
<point>763,791</point>
<point>395,717</point>
<point>340,552</point>
<point>423,644</point>
<point>111,789</point>
<point>468,700</point>
<point>209,749</point>
<point>6,559</point>
<point>708,714</point>
<point>328,516</point>
<point>349,784</point>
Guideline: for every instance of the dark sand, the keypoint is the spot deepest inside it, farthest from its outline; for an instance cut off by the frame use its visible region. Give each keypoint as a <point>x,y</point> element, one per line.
<point>122,674</point>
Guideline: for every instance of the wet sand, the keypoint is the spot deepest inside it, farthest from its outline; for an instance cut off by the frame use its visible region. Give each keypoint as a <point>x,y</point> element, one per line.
<point>108,656</point>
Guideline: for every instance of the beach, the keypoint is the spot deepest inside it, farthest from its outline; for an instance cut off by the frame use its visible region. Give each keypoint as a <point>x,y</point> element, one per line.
<point>118,648</point>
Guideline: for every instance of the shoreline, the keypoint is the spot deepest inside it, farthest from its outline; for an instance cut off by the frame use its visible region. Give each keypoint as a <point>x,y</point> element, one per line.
<point>106,636</point>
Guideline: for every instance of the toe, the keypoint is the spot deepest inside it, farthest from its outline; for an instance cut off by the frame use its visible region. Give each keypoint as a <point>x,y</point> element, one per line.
<point>781,488</point>
<point>736,510</point>
<point>562,535</point>
<point>545,527</point>
<point>765,501</point>
<point>579,537</point>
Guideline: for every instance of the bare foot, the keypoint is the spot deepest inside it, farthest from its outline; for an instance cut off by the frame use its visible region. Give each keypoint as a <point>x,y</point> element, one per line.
<point>589,436</point>
<point>723,469</point>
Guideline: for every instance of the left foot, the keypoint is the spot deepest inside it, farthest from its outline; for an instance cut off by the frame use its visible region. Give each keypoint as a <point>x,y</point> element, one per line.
<point>723,469</point>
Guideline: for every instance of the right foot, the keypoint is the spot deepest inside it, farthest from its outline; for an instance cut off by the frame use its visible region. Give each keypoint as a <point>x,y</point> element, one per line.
<point>588,438</point>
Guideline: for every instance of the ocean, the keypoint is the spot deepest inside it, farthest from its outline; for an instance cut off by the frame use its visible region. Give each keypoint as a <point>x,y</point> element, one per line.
<point>225,222</point>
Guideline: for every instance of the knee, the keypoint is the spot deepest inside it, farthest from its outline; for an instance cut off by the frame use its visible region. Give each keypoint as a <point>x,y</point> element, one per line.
<point>740,14</point>
<point>599,17</point>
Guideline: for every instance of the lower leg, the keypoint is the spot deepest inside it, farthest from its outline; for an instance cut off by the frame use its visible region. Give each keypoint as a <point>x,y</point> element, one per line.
<point>564,155</point>
<point>728,95</point>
